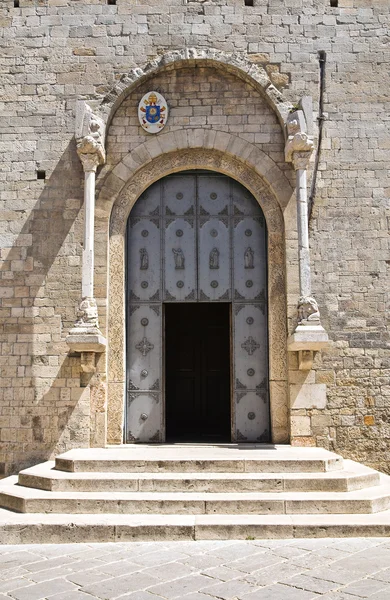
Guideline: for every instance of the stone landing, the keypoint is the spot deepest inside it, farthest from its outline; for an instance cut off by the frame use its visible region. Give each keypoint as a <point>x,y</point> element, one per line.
<point>171,492</point>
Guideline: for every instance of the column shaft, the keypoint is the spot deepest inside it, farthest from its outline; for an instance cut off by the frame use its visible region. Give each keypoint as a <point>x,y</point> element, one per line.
<point>89,222</point>
<point>303,234</point>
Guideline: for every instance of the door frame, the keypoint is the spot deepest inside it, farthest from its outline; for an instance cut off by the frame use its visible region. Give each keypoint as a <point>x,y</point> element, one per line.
<point>249,177</point>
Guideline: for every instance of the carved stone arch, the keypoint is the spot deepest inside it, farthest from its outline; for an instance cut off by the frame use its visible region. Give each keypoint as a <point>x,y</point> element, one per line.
<point>236,63</point>
<point>140,179</point>
<point>216,142</point>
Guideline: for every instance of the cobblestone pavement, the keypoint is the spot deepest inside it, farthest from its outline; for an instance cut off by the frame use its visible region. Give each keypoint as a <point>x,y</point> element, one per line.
<point>331,569</point>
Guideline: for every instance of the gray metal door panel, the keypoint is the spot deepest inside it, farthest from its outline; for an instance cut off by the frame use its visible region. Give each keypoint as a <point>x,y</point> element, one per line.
<point>180,259</point>
<point>214,259</point>
<point>197,237</point>
<point>144,417</point>
<point>151,201</point>
<point>249,258</point>
<point>243,201</point>
<point>250,347</point>
<point>145,347</point>
<point>179,195</point>
<point>252,424</point>
<point>213,195</point>
<point>144,249</point>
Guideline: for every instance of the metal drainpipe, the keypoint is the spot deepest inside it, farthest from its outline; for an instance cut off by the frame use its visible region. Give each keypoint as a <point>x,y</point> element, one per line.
<point>320,120</point>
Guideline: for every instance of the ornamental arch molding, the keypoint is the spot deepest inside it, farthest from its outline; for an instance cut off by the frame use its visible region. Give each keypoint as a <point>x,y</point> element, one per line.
<point>237,64</point>
<point>249,155</point>
<point>132,177</point>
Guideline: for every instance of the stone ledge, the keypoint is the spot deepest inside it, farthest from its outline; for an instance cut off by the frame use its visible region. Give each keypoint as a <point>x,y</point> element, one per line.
<point>308,337</point>
<point>88,342</point>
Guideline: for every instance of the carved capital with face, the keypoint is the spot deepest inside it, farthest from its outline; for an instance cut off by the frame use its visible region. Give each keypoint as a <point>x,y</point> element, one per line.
<point>88,313</point>
<point>298,150</point>
<point>90,145</point>
<point>308,311</point>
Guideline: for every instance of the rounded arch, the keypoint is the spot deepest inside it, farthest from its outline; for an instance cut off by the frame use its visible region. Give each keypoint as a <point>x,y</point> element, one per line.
<point>238,64</point>
<point>198,142</point>
<point>138,181</point>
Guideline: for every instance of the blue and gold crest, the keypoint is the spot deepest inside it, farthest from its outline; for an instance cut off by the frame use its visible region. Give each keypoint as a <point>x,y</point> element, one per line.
<point>152,112</point>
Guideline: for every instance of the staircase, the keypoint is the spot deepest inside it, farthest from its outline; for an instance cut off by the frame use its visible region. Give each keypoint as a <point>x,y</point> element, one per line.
<point>156,492</point>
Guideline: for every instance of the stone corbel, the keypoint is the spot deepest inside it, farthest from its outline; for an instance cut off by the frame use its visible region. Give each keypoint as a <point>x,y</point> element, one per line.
<point>85,338</point>
<point>309,335</point>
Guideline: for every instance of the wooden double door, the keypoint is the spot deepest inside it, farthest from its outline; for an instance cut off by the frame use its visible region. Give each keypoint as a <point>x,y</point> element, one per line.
<point>197,343</point>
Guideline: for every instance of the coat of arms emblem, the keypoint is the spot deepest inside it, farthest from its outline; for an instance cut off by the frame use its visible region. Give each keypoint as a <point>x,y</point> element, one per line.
<point>153,112</point>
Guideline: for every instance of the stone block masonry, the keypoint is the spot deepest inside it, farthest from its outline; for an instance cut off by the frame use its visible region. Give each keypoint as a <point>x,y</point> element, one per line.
<point>54,52</point>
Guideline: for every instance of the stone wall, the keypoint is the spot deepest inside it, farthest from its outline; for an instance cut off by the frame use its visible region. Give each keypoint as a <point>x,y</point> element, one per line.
<point>66,49</point>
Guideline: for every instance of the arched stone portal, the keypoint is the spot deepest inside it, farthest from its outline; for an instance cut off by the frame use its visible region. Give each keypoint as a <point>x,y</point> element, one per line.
<point>222,162</point>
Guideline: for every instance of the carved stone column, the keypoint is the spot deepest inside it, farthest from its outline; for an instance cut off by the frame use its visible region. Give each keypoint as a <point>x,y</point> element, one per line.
<point>309,335</point>
<point>85,337</point>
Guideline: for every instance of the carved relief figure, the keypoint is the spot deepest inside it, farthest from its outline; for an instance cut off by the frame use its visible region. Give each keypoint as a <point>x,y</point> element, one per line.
<point>249,258</point>
<point>144,258</point>
<point>179,258</point>
<point>308,310</point>
<point>214,259</point>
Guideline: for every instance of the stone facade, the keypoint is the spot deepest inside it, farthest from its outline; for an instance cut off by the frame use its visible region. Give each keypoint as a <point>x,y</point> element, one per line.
<point>229,100</point>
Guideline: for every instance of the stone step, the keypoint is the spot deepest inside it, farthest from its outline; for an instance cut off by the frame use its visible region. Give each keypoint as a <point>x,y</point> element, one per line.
<point>353,477</point>
<point>226,458</point>
<point>35,528</point>
<point>24,499</point>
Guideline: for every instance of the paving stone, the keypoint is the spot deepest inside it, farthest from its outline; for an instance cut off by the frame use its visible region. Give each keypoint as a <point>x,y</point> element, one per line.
<point>154,559</point>
<point>85,578</point>
<point>74,596</point>
<point>229,589</point>
<point>43,590</point>
<point>121,567</point>
<point>169,571</point>
<point>180,587</point>
<point>335,574</point>
<point>67,569</point>
<point>13,584</point>
<point>117,586</point>
<point>236,551</point>
<point>17,559</point>
<point>311,584</point>
<point>256,561</point>
<point>278,592</point>
<point>275,573</point>
<point>224,573</point>
<point>51,563</point>
<point>383,575</point>
<point>365,588</point>
<point>203,560</point>
<point>141,596</point>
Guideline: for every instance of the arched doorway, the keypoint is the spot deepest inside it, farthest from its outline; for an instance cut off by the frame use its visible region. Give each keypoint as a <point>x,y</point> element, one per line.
<point>197,340</point>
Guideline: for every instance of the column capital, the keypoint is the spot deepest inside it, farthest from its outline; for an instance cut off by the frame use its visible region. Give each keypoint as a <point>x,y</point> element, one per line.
<point>298,150</point>
<point>89,161</point>
<point>300,160</point>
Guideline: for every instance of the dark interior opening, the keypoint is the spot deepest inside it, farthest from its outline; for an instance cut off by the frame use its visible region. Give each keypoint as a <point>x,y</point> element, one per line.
<point>197,350</point>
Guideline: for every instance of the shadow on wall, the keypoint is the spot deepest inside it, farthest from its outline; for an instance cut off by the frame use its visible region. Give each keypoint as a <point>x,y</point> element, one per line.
<point>43,406</point>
